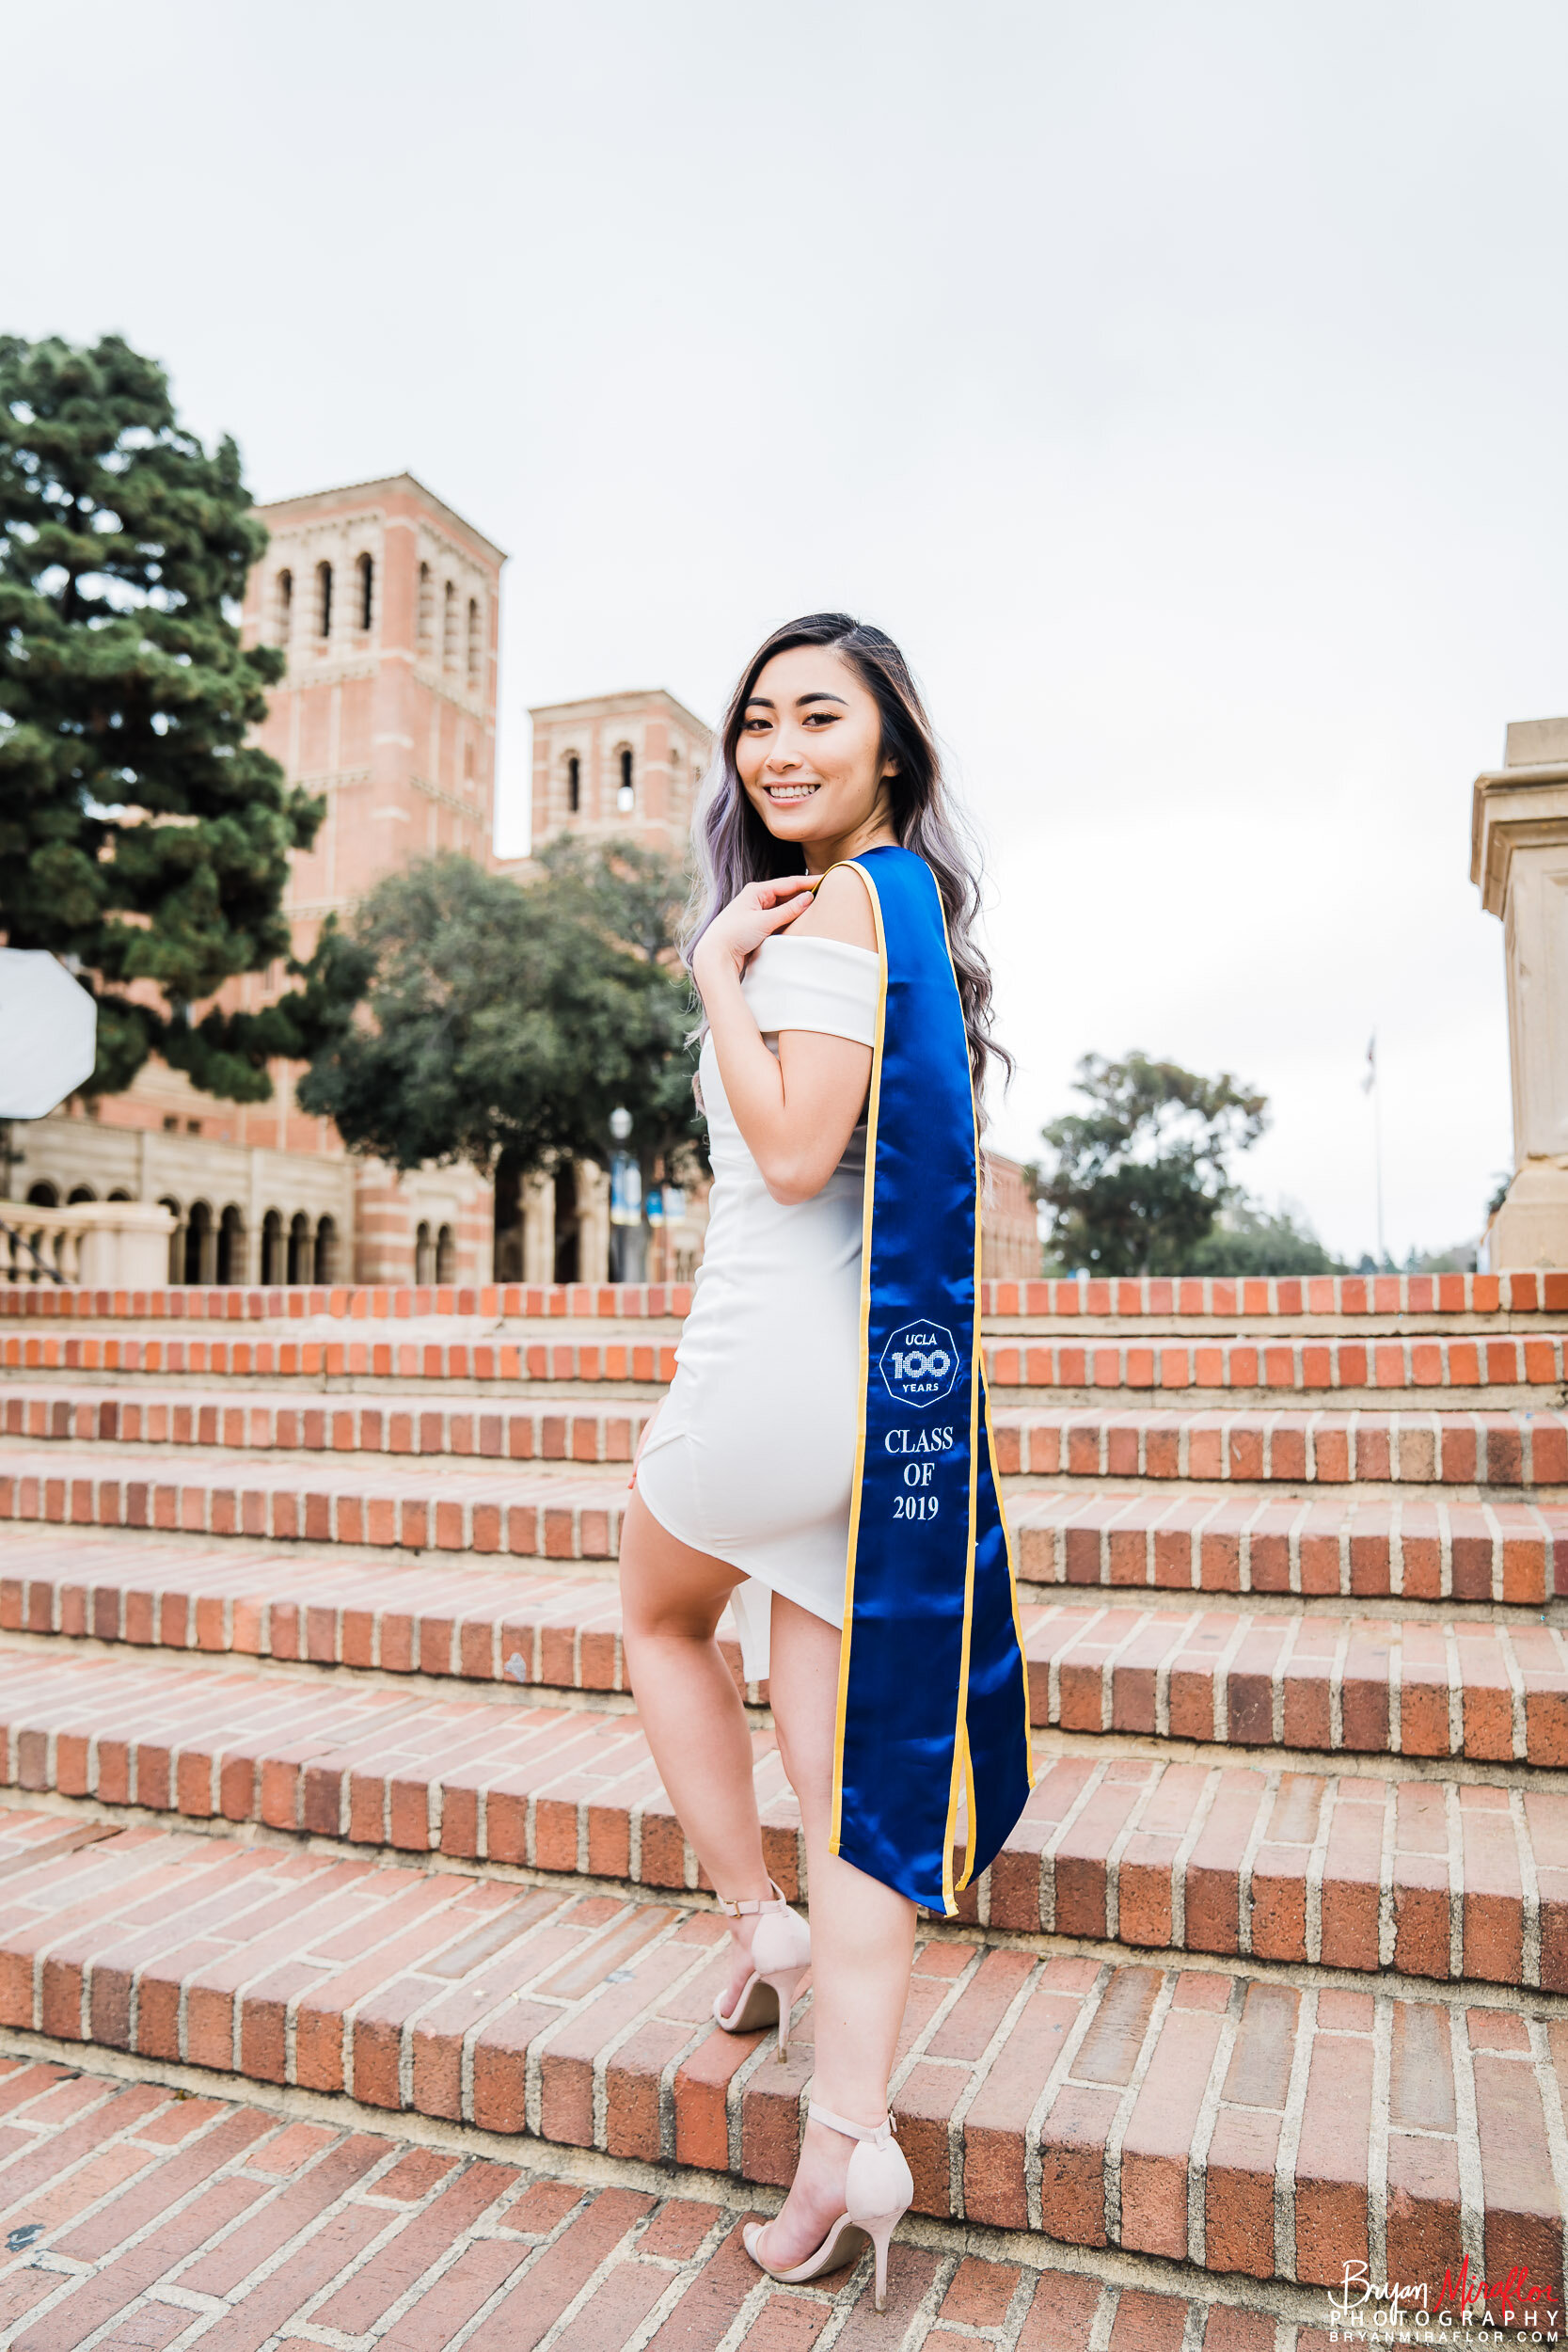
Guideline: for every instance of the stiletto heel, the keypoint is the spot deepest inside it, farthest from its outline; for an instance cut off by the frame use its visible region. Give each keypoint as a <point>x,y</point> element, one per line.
<point>781,1954</point>
<point>878,2192</point>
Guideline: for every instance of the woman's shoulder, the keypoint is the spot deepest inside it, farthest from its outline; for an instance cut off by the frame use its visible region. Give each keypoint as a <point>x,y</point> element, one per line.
<point>840,910</point>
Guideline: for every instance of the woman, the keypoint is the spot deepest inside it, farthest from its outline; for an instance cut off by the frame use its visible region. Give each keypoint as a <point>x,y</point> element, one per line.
<point>822,1463</point>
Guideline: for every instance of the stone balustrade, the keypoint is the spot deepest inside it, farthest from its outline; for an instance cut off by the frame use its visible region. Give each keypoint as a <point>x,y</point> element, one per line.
<point>115,1245</point>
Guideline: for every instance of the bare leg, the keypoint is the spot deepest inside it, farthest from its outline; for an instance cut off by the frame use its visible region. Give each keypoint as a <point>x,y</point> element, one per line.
<point>862,1939</point>
<point>671,1599</point>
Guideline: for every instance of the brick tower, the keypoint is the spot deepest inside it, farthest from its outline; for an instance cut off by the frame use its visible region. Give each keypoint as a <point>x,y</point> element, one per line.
<point>618,767</point>
<point>385,603</point>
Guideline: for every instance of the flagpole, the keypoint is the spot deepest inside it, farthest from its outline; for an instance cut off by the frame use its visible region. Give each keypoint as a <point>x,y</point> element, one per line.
<point>1369,1084</point>
<point>1377,1155</point>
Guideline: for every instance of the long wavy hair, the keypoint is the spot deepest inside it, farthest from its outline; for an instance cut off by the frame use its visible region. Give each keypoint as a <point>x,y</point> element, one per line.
<point>733,846</point>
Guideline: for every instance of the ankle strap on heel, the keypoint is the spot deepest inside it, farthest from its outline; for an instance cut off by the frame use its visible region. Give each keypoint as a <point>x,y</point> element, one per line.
<point>877,2136</point>
<point>777,1901</point>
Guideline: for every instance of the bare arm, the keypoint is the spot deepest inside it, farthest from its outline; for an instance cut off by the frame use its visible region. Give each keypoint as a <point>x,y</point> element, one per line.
<point>796,1112</point>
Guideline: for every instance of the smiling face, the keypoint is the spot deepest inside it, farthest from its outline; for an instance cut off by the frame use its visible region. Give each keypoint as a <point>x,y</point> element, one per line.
<point>810,756</point>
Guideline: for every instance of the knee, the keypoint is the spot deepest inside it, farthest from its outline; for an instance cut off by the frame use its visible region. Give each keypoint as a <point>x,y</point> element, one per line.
<point>655,1616</point>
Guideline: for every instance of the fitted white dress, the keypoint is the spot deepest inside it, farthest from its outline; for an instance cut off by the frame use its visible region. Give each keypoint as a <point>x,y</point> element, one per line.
<point>752,1457</point>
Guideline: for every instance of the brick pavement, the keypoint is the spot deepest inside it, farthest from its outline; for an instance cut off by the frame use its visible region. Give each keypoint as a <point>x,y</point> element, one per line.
<point>1225,2120</point>
<point>199,2221</point>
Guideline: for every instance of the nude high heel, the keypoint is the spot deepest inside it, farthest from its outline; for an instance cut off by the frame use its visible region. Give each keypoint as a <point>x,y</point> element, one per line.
<point>781,1954</point>
<point>876,2196</point>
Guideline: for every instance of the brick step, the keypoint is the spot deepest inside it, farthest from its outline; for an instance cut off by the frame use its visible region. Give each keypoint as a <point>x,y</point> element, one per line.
<point>1367,1547</point>
<point>253,1420</point>
<point>328,2225</point>
<point>1248,2126</point>
<point>1138,1299</point>
<point>1334,1684</point>
<point>1509,1450</point>
<point>487,1302</point>
<point>1448,1448</point>
<point>1490,1366</point>
<point>1428,1877</point>
<point>1357,1546</point>
<point>1487,1363</point>
<point>528,1514</point>
<point>1283,1298</point>
<point>446,1352</point>
<point>486,1625</point>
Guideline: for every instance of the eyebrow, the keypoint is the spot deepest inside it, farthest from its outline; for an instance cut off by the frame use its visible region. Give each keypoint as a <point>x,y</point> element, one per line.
<point>761,702</point>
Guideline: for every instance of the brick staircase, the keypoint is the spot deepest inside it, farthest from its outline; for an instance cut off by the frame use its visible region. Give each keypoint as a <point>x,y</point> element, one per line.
<point>322,1777</point>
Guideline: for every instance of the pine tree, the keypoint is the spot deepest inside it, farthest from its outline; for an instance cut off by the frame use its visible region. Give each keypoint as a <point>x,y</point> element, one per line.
<point>140,834</point>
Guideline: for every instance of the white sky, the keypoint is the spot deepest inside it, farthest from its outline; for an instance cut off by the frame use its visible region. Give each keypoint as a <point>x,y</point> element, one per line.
<point>1182,386</point>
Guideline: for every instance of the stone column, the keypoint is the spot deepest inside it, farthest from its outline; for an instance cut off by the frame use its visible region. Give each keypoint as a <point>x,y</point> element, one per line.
<point>592,1222</point>
<point>538,1199</point>
<point>1519,858</point>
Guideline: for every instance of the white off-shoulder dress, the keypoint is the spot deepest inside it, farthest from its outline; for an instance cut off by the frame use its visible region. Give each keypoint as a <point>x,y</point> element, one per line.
<point>752,1457</point>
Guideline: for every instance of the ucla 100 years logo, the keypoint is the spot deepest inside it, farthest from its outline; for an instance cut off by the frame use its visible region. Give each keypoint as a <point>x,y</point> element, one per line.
<point>920,1364</point>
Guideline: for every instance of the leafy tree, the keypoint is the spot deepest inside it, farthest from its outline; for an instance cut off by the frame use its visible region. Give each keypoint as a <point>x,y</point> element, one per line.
<point>460,1016</point>
<point>1246,1238</point>
<point>140,834</point>
<point>1139,1178</point>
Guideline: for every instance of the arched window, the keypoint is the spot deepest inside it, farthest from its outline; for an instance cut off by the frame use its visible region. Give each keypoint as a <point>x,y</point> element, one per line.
<point>200,1244</point>
<point>327,1251</point>
<point>427,604</point>
<point>323,599</point>
<point>625,798</point>
<point>231,1266</point>
<point>445,1255</point>
<point>449,628</point>
<point>566,1252</point>
<point>473,640</point>
<point>42,1196</point>
<point>424,1255</point>
<point>301,1248</point>
<point>79,1192</point>
<point>274,1263</point>
<point>573,783</point>
<point>366,591</point>
<point>285,606</point>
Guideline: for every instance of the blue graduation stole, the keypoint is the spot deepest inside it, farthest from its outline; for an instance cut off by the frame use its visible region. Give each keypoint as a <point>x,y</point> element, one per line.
<point>933,1695</point>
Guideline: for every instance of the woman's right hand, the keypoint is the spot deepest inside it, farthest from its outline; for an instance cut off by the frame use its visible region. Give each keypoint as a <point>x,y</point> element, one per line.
<point>761,909</point>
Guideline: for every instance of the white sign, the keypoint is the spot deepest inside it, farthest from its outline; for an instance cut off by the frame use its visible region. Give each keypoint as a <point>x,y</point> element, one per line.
<point>48,1033</point>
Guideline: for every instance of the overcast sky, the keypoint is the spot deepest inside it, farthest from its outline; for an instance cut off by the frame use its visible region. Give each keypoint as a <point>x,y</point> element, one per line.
<point>1181,384</point>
